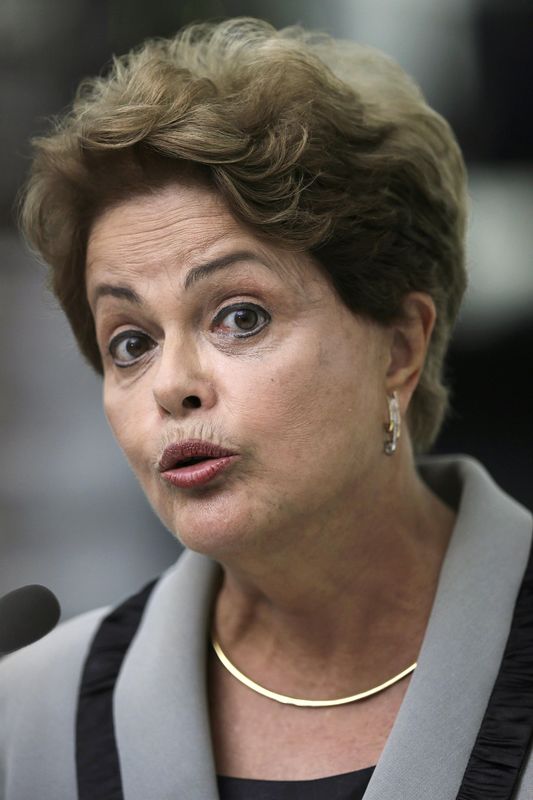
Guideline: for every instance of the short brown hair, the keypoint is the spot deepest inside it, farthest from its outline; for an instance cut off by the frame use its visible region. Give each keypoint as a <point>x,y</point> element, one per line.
<point>319,145</point>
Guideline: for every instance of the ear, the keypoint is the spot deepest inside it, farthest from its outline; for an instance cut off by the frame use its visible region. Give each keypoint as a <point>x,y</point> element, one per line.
<point>408,345</point>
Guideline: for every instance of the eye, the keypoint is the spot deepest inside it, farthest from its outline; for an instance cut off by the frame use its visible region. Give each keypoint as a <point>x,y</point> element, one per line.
<point>242,319</point>
<point>129,346</point>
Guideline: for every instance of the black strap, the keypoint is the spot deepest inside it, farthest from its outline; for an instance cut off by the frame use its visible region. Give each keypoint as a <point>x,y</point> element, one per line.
<point>97,759</point>
<point>505,738</point>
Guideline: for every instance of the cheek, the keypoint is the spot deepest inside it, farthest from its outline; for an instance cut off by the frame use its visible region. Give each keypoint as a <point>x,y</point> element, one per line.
<point>310,398</point>
<point>124,413</point>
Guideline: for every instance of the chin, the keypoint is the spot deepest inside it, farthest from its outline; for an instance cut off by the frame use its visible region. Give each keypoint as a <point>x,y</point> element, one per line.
<point>219,544</point>
<point>215,524</point>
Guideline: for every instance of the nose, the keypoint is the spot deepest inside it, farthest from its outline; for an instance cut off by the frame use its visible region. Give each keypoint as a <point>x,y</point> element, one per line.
<point>181,382</point>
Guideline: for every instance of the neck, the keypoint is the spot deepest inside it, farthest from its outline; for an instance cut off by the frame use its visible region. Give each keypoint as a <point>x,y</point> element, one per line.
<point>347,588</point>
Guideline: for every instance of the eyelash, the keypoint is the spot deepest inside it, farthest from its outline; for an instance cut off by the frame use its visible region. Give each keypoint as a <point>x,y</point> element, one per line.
<point>227,310</point>
<point>116,341</point>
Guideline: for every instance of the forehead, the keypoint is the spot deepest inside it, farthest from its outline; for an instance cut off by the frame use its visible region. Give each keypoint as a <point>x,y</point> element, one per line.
<point>179,225</point>
<point>179,219</point>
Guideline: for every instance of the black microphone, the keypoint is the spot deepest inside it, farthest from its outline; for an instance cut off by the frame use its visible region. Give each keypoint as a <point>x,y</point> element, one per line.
<point>26,614</point>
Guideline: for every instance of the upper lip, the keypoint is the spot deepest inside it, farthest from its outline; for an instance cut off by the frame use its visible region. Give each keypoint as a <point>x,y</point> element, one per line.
<point>191,448</point>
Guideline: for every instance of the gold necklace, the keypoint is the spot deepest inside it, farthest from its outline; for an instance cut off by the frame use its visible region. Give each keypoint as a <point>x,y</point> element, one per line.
<point>297,701</point>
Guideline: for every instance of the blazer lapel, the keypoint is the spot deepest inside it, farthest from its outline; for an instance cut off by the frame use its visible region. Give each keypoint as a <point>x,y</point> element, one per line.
<point>161,712</point>
<point>434,733</point>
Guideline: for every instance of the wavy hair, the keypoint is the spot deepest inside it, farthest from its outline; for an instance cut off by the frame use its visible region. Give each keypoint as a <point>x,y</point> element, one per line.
<point>318,145</point>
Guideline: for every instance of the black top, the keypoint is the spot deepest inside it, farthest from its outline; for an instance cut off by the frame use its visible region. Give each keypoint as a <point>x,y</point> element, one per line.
<point>349,786</point>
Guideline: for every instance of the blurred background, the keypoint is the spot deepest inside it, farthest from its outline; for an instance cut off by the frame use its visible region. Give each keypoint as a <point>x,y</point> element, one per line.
<point>71,514</point>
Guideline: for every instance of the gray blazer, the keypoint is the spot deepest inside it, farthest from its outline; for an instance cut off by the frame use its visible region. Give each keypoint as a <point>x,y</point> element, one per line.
<point>161,715</point>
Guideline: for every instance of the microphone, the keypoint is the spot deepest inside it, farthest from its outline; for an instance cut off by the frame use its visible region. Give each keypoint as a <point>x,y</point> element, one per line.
<point>26,614</point>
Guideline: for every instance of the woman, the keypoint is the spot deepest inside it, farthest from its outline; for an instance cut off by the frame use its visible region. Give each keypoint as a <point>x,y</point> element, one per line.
<point>257,237</point>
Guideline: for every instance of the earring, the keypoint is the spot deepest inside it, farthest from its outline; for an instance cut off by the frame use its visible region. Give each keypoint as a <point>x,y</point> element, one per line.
<point>392,429</point>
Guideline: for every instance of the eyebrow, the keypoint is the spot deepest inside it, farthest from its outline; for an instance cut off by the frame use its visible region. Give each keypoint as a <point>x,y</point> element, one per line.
<point>122,292</point>
<point>193,276</point>
<point>204,270</point>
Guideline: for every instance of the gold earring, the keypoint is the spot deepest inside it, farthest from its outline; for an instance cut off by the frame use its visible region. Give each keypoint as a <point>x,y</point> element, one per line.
<point>392,428</point>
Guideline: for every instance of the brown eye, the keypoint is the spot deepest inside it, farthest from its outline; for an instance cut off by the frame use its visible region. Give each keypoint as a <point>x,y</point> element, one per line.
<point>246,319</point>
<point>242,320</point>
<point>129,346</point>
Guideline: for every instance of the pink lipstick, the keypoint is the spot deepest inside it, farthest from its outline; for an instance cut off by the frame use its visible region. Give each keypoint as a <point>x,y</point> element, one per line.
<point>194,463</point>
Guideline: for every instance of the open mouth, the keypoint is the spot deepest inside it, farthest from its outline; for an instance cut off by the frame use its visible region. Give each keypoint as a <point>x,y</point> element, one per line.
<point>189,462</point>
<point>194,463</point>
<point>191,452</point>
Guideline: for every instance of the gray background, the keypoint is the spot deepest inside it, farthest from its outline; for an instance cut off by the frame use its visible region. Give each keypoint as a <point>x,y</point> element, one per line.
<point>71,514</point>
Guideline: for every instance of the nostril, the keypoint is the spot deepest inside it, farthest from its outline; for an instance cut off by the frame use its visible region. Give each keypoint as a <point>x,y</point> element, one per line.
<point>192,401</point>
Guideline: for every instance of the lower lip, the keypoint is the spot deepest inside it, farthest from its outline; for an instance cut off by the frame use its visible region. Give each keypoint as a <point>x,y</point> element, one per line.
<point>197,474</point>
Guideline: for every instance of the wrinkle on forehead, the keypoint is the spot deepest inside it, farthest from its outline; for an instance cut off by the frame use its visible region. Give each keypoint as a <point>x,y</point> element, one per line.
<point>175,220</point>
<point>179,226</point>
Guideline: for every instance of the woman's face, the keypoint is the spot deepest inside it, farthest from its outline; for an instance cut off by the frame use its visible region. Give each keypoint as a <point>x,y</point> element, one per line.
<point>208,334</point>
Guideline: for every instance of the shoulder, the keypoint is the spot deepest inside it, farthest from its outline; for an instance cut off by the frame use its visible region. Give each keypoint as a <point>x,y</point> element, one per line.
<point>38,678</point>
<point>38,696</point>
<point>465,485</point>
<point>50,659</point>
